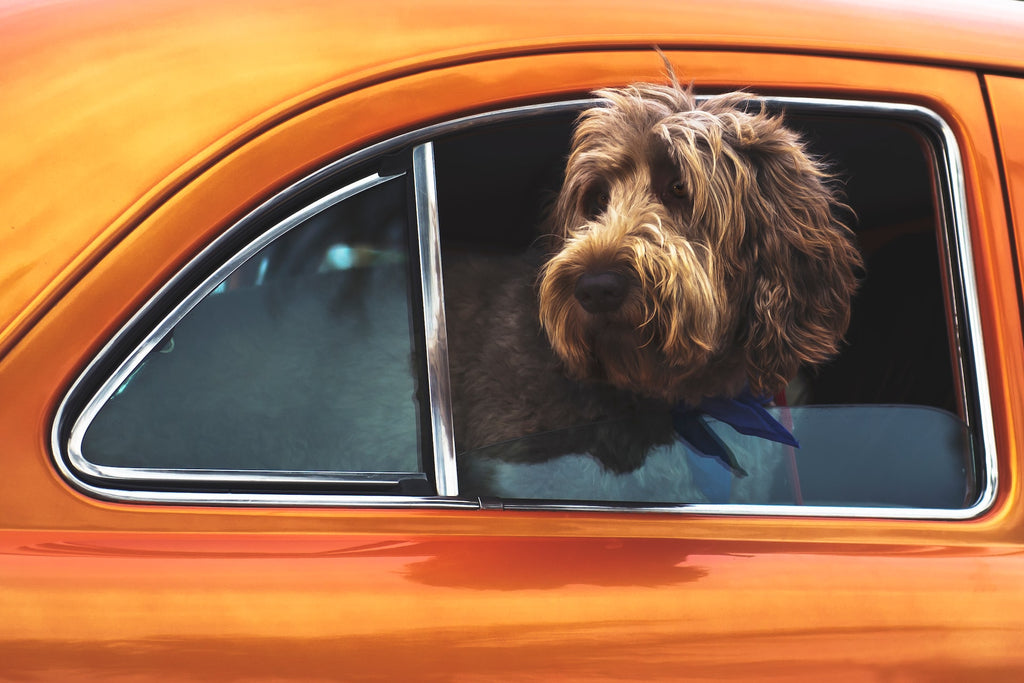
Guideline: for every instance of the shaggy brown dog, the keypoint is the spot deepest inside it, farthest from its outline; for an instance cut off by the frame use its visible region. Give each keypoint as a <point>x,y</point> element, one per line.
<point>695,254</point>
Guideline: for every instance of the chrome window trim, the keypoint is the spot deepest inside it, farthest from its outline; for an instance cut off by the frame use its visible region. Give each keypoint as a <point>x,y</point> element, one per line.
<point>435,330</point>
<point>157,475</point>
<point>966,312</point>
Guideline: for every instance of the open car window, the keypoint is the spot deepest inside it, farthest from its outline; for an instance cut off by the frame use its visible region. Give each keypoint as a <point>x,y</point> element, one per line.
<point>309,365</point>
<point>885,424</point>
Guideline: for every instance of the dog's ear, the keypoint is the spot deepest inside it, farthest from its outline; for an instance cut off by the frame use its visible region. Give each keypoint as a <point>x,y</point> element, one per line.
<point>806,265</point>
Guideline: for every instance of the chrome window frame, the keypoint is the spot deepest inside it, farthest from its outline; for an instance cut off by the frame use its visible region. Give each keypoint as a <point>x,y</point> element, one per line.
<point>958,260</point>
<point>156,336</point>
<point>435,330</point>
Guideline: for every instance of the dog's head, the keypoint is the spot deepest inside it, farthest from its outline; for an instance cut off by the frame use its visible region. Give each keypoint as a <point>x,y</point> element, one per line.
<point>696,249</point>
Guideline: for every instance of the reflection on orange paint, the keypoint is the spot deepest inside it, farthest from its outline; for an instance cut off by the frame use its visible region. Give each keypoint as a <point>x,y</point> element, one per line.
<point>507,605</point>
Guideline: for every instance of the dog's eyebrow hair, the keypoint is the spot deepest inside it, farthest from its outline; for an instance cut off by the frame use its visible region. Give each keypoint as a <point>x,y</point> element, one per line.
<point>598,162</point>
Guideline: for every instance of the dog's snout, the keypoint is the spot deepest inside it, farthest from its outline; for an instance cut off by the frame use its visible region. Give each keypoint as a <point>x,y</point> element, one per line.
<point>601,292</point>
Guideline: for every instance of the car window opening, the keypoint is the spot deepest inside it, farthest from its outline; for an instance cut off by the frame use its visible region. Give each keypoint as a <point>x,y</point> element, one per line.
<point>881,425</point>
<point>314,365</point>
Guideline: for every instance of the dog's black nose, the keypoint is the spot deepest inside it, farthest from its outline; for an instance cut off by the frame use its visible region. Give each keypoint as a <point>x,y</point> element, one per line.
<point>601,292</point>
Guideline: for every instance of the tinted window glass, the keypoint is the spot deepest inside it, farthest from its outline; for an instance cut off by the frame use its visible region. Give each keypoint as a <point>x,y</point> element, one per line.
<point>302,359</point>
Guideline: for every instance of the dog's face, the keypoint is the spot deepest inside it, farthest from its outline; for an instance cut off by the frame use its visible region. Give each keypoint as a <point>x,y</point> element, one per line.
<point>696,249</point>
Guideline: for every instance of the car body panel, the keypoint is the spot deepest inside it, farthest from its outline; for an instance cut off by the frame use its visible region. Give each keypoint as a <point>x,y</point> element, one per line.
<point>1007,95</point>
<point>94,589</point>
<point>439,607</point>
<point>208,61</point>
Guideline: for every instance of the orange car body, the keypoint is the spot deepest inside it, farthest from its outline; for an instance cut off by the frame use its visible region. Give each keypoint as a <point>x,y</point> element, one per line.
<point>134,133</point>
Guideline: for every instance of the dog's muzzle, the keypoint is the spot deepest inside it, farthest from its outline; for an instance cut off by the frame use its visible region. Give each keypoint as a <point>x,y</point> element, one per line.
<point>601,292</point>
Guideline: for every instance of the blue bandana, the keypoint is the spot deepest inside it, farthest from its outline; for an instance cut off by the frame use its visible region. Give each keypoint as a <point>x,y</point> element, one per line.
<point>712,463</point>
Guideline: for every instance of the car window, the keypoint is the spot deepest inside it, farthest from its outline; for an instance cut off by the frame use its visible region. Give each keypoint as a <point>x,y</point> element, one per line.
<point>303,359</point>
<point>883,424</point>
<point>313,358</point>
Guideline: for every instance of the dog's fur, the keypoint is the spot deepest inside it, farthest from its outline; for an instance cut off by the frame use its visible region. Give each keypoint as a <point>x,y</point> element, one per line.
<point>694,251</point>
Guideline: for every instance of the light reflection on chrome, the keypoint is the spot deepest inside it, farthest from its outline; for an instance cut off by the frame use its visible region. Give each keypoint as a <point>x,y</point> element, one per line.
<point>435,331</point>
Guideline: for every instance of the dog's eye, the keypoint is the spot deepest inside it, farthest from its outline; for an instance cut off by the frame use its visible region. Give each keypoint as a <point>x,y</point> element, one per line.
<point>595,202</point>
<point>678,189</point>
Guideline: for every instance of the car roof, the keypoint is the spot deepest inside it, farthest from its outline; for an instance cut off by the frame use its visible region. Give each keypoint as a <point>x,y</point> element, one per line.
<point>103,100</point>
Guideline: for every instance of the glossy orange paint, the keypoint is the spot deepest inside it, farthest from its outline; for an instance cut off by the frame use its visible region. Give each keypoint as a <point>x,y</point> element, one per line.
<point>1007,95</point>
<point>97,590</point>
<point>443,607</point>
<point>227,72</point>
